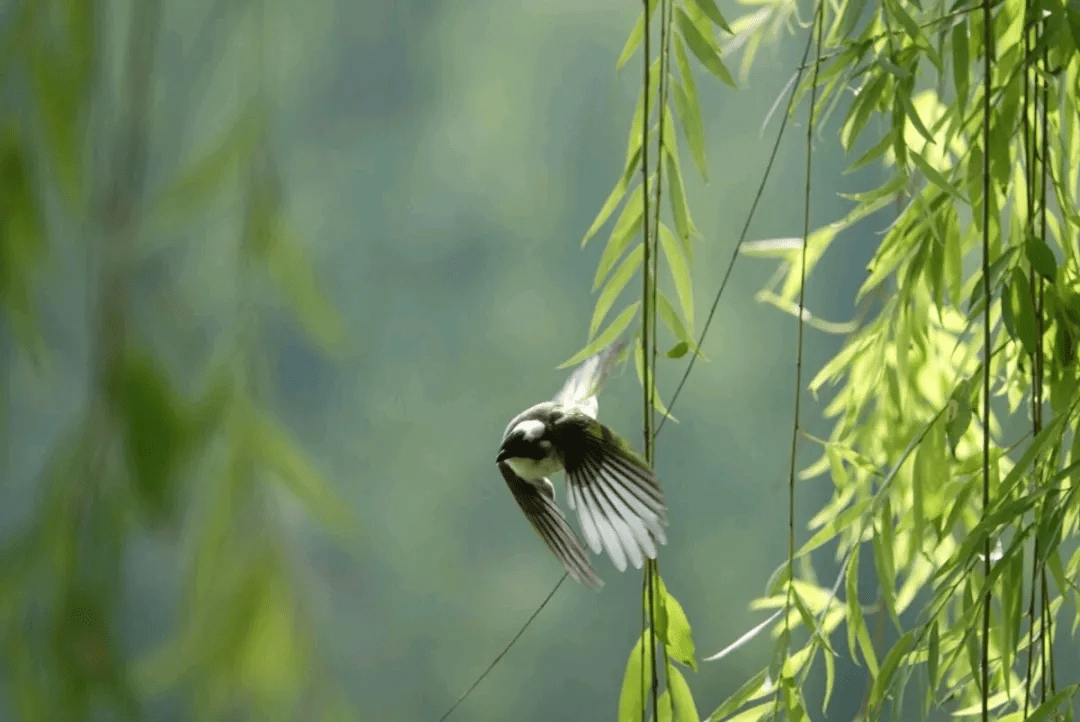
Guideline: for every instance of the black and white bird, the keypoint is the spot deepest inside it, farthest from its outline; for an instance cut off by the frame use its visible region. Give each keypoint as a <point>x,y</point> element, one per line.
<point>617,497</point>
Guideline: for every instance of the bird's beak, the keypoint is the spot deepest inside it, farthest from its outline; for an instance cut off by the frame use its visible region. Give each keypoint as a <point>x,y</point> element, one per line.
<point>503,455</point>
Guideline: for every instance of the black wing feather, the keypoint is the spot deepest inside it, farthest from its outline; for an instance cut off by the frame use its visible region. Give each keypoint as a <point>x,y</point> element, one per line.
<point>549,523</point>
<point>620,499</point>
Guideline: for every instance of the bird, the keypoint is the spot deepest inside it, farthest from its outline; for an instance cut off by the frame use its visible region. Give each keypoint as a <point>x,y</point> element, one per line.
<point>619,502</point>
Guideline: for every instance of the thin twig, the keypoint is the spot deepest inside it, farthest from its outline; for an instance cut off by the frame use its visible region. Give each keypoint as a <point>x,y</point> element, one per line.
<point>505,649</point>
<point>988,598</point>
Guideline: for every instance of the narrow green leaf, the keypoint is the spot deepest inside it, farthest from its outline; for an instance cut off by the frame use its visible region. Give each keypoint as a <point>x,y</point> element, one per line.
<point>681,698</point>
<point>689,110</point>
<point>702,48</point>
<point>1041,257</point>
<point>884,679</point>
<point>1022,310</point>
<point>606,337</point>
<point>632,696</point>
<point>961,61</point>
<point>626,228</point>
<point>615,197</point>
<point>896,9</point>
<point>830,679</point>
<point>753,688</point>
<point>934,176</point>
<point>615,285</point>
<point>933,654</point>
<point>677,199</point>
<point>1044,710</point>
<point>913,116</point>
<point>671,319</point>
<point>678,639</point>
<point>635,38</point>
<point>680,273</point>
<point>708,7</point>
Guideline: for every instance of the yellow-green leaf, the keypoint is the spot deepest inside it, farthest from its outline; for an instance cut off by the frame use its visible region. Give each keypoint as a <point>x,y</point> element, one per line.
<point>625,229</point>
<point>680,273</point>
<point>702,48</point>
<point>606,337</point>
<point>615,285</point>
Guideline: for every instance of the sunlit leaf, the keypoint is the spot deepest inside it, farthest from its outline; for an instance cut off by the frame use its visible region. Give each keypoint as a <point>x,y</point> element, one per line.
<point>615,285</point>
<point>681,698</point>
<point>632,696</point>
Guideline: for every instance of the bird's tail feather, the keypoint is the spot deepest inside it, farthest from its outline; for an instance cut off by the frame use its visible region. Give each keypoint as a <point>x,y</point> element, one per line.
<point>587,379</point>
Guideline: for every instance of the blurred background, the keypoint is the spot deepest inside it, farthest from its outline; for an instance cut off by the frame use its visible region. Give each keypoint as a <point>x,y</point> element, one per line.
<point>275,275</point>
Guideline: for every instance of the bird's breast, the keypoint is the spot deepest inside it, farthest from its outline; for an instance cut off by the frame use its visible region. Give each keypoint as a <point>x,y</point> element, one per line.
<point>532,469</point>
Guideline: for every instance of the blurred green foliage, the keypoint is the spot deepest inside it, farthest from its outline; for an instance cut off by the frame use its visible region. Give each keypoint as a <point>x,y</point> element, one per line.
<point>273,276</point>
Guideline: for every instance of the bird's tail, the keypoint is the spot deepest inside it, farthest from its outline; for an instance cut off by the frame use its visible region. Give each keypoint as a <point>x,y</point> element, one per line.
<point>585,382</point>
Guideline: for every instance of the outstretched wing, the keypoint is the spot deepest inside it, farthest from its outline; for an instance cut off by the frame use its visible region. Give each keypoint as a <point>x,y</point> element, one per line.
<point>550,524</point>
<point>584,384</point>
<point>617,497</point>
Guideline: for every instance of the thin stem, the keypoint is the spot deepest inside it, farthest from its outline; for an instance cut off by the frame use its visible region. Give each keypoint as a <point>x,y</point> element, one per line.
<point>987,87</point>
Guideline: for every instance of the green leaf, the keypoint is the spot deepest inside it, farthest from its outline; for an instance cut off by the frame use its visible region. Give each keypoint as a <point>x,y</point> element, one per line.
<point>933,654</point>
<point>208,176</point>
<point>936,178</point>
<point>615,285</point>
<point>702,48</point>
<point>961,61</point>
<point>1044,710</point>
<point>677,637</point>
<point>606,337</point>
<point>274,447</point>
<point>753,688</point>
<point>1041,257</point>
<point>671,319</point>
<point>681,698</point>
<point>708,7</point>
<point>632,696</point>
<point>635,38</point>
<point>689,110</point>
<point>156,429</point>
<point>896,9</point>
<point>1023,312</point>
<point>625,229</point>
<point>958,415</point>
<point>678,350</point>
<point>677,198</point>
<point>680,273</point>
<point>913,116</point>
<point>615,197</point>
<point>884,679</point>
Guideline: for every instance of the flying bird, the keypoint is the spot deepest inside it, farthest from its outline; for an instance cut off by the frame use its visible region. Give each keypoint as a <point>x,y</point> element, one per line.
<point>617,497</point>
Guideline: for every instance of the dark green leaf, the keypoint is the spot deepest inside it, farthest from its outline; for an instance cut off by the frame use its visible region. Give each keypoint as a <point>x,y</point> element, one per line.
<point>1023,312</point>
<point>156,429</point>
<point>1041,257</point>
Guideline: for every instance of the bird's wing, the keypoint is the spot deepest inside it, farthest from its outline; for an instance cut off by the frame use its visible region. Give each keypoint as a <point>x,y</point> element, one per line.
<point>584,384</point>
<point>550,524</point>
<point>617,497</point>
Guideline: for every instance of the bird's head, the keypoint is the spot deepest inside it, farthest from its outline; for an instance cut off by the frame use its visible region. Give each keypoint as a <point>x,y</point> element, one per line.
<point>522,441</point>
